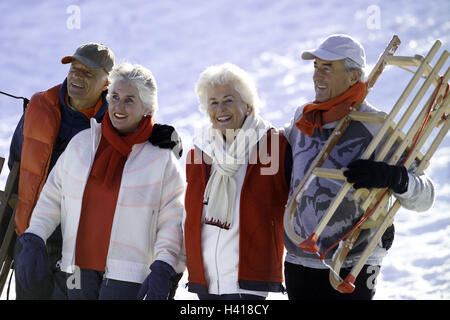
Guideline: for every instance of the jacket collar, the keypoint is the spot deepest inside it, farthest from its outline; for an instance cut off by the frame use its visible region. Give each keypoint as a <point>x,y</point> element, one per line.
<point>65,108</point>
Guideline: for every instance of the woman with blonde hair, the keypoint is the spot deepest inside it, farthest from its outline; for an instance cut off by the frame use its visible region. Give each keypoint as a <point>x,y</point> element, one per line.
<point>119,200</point>
<point>237,185</point>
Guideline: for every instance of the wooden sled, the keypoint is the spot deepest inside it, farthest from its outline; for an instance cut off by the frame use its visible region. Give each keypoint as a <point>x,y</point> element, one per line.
<point>7,198</point>
<point>428,129</point>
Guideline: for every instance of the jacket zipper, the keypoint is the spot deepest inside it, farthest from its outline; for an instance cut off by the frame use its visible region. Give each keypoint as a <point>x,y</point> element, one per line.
<point>217,265</point>
<point>153,228</point>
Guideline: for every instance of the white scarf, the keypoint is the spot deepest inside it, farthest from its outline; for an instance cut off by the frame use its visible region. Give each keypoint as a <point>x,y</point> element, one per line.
<point>220,191</point>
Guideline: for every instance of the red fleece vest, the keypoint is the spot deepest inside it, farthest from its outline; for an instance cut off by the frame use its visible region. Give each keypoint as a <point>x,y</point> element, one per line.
<point>263,198</point>
<point>40,129</point>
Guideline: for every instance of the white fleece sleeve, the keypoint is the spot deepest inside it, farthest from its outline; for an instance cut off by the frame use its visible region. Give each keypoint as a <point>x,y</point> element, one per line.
<point>420,194</point>
<point>169,233</point>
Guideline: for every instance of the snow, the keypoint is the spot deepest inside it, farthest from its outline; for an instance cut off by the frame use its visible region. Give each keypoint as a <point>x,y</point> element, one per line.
<point>178,39</point>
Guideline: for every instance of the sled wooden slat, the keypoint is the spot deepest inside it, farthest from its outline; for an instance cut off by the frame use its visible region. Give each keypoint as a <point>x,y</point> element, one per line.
<point>7,266</point>
<point>379,212</point>
<point>7,198</point>
<point>5,260</point>
<point>367,117</point>
<point>7,193</point>
<point>347,286</point>
<point>403,62</point>
<point>329,173</point>
<point>344,249</point>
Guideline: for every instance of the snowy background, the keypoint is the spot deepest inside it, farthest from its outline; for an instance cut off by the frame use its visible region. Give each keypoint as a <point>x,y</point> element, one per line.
<point>177,40</point>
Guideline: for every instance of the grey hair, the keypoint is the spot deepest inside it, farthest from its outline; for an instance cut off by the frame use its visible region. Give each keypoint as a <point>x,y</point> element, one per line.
<point>227,74</point>
<point>142,78</point>
<point>351,65</point>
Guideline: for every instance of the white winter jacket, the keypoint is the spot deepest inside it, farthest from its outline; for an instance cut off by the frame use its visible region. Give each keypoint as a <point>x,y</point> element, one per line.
<point>147,220</point>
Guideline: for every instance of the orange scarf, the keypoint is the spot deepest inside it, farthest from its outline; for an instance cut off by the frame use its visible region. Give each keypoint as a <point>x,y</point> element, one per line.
<point>317,114</point>
<point>90,112</point>
<point>108,165</point>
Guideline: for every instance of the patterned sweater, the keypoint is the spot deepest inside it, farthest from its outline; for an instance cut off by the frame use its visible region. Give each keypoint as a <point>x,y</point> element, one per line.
<point>321,192</point>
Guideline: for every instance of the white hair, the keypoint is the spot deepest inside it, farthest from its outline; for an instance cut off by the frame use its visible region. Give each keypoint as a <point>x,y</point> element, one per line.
<point>351,65</point>
<point>143,80</point>
<point>227,74</point>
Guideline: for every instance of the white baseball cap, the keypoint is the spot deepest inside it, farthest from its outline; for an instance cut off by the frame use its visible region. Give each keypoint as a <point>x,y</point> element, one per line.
<point>338,47</point>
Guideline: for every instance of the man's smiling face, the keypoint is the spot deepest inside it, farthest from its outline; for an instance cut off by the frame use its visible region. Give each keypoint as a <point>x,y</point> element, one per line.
<point>331,79</point>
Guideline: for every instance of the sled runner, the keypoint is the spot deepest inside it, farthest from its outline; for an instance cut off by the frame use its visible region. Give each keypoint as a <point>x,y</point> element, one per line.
<point>419,142</point>
<point>7,198</point>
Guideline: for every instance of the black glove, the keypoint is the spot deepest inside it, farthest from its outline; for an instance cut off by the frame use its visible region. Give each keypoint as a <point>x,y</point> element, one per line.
<point>388,237</point>
<point>166,137</point>
<point>157,285</point>
<point>174,280</point>
<point>372,174</point>
<point>30,264</point>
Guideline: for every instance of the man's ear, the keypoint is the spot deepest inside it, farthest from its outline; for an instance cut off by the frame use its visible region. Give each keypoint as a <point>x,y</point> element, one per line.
<point>354,76</point>
<point>106,85</point>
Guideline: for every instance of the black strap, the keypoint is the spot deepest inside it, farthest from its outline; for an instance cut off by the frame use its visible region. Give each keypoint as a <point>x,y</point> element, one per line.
<point>25,100</point>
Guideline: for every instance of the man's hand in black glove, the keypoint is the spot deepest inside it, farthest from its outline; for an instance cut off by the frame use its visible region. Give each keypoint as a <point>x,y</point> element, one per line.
<point>372,174</point>
<point>166,137</point>
<point>174,280</point>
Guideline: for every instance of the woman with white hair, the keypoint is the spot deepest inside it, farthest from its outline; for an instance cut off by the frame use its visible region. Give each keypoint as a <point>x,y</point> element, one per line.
<point>238,176</point>
<point>119,200</point>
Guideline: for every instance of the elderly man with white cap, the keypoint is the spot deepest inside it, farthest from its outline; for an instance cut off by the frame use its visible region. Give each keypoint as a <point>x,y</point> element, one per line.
<point>338,78</point>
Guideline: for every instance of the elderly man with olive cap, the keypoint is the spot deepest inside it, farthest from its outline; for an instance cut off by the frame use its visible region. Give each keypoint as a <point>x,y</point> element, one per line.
<point>51,119</point>
<point>338,79</point>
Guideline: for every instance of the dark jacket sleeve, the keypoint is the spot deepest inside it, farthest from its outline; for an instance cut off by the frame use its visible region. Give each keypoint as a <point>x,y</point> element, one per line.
<point>15,150</point>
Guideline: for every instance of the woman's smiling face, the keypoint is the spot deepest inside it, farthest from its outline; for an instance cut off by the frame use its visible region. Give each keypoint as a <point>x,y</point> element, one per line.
<point>125,106</point>
<point>226,109</point>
